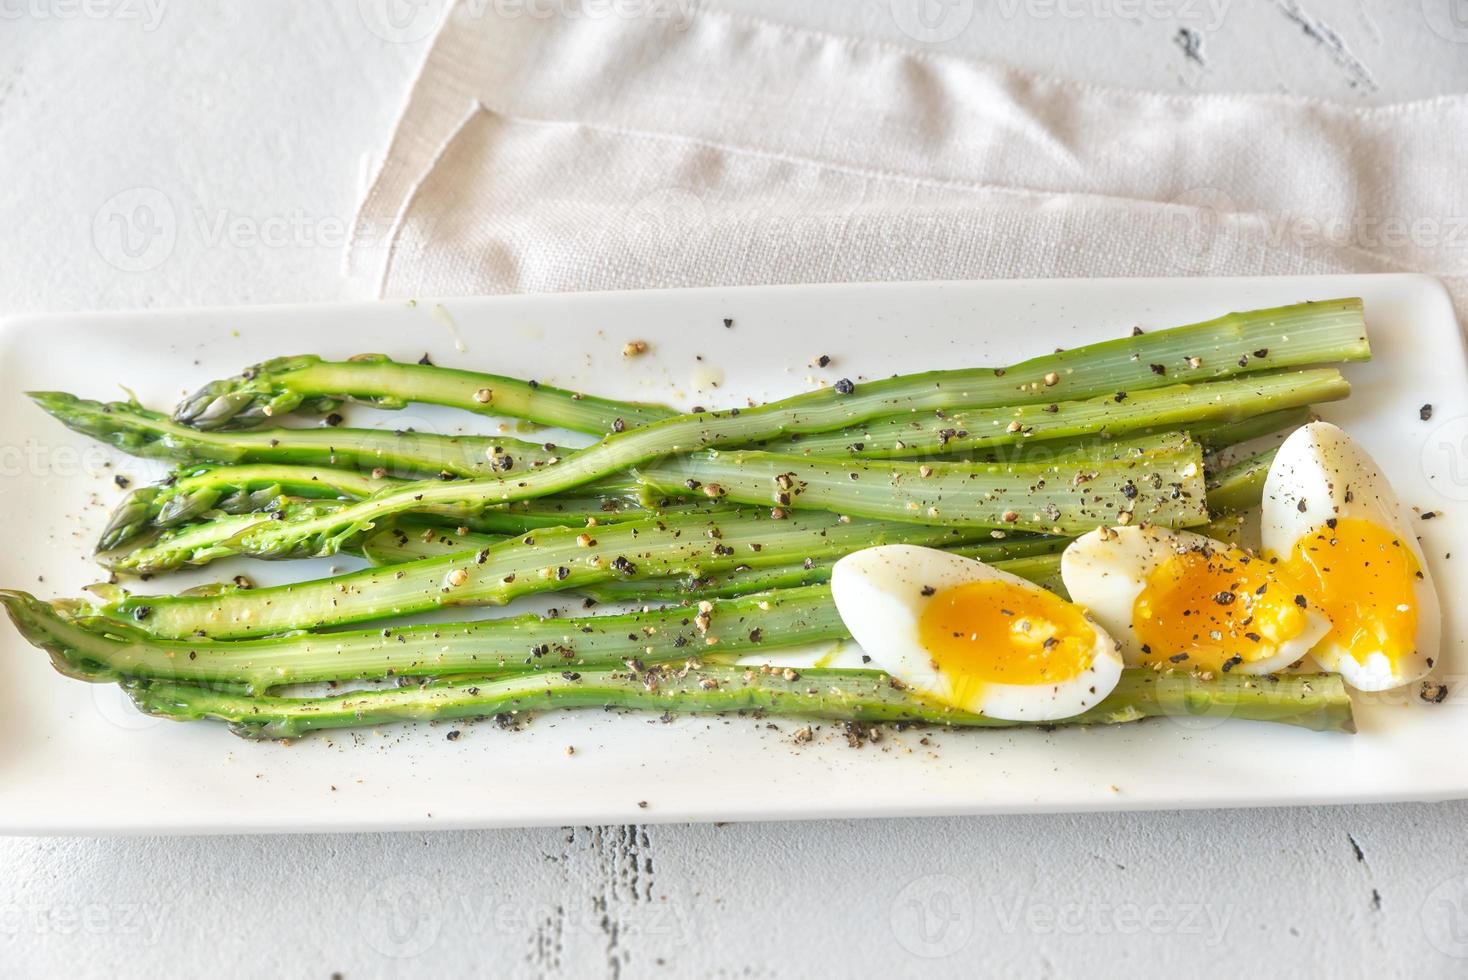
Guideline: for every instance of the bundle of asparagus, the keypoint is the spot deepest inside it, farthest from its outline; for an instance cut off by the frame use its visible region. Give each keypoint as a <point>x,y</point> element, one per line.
<point>719,527</point>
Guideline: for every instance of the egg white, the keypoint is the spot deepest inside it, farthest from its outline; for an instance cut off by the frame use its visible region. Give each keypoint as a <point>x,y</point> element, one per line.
<point>1320,473</point>
<point>1106,570</point>
<point>879,594</point>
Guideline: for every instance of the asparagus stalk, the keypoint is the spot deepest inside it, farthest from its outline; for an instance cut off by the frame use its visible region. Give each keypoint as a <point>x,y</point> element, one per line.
<point>199,544</point>
<point>254,488</point>
<point>1313,701</point>
<point>1163,487</point>
<point>307,382</point>
<point>1174,407</point>
<point>138,431</point>
<point>1216,436</point>
<point>545,561</point>
<point>1241,485</point>
<point>1293,335</point>
<point>1236,342</point>
<point>103,650</point>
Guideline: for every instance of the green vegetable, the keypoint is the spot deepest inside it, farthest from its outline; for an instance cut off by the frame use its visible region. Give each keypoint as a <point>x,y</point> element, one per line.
<point>202,494</point>
<point>1241,485</point>
<point>1172,407</point>
<point>106,650</point>
<point>1163,487</point>
<point>138,431</point>
<point>1314,701</point>
<point>287,384</point>
<point>1292,335</point>
<point>544,561</point>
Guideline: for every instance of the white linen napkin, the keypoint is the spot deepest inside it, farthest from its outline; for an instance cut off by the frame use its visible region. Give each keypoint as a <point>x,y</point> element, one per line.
<point>559,153</point>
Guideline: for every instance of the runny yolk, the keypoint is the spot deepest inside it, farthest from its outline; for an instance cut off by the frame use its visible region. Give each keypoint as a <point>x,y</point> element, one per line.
<point>1363,578</point>
<point>1000,633</point>
<point>1215,609</point>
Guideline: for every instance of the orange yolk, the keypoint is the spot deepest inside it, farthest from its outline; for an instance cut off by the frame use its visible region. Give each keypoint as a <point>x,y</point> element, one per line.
<point>1214,610</point>
<point>997,632</point>
<point>1363,578</point>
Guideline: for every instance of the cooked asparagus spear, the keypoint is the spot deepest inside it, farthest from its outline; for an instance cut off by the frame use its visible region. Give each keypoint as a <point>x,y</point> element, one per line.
<point>1164,487</point>
<point>106,650</point>
<point>204,492</point>
<point>1175,406</point>
<point>1293,335</point>
<point>544,561</point>
<point>1285,336</point>
<point>138,431</point>
<point>1314,701</point>
<point>1241,485</point>
<point>285,384</point>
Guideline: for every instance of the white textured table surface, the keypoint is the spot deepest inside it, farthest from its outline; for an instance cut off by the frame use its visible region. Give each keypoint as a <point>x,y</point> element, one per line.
<point>251,121</point>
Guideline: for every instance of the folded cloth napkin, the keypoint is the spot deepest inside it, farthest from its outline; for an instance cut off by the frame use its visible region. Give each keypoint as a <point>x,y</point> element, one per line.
<point>559,153</point>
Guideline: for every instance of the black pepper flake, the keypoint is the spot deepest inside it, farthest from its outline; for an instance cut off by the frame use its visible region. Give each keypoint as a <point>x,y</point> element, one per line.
<point>1300,601</point>
<point>334,419</point>
<point>823,360</point>
<point>1433,692</point>
<point>756,635</point>
<point>1232,662</point>
<point>1158,368</point>
<point>1136,331</point>
<point>1120,397</point>
<point>1301,505</point>
<point>142,612</point>
<point>845,387</point>
<point>570,675</point>
<point>121,481</point>
<point>928,590</point>
<point>618,425</point>
<point>1262,352</point>
<point>621,564</point>
<point>453,736</point>
<point>425,360</point>
<point>1428,515</point>
<point>1129,490</point>
<point>728,322</point>
<point>1178,658</point>
<point>1224,598</point>
<point>1425,412</point>
<point>562,573</point>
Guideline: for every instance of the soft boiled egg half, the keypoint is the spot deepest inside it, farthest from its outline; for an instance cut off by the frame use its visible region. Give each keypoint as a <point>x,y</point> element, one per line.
<point>973,636</point>
<point>1180,600</point>
<point>1334,525</point>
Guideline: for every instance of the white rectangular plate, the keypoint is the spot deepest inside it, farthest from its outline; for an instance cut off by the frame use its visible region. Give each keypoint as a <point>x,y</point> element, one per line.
<point>78,759</point>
